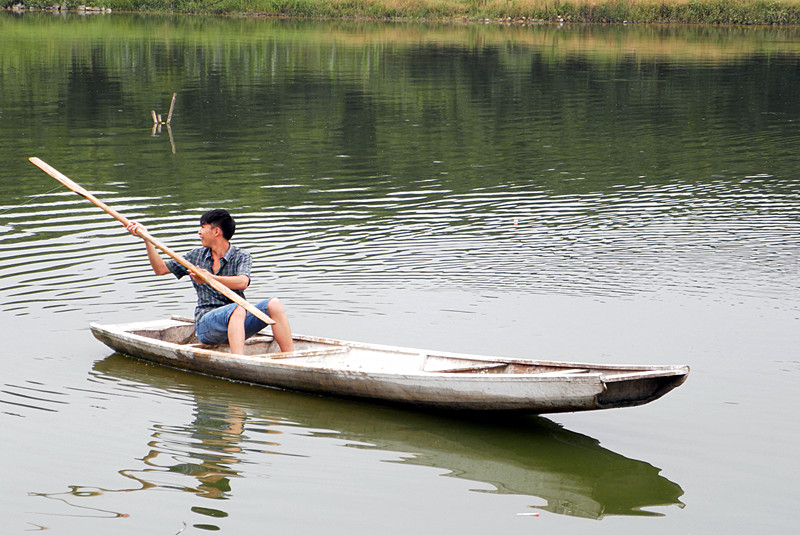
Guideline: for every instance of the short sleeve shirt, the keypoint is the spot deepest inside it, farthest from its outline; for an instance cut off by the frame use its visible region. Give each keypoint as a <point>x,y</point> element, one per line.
<point>235,262</point>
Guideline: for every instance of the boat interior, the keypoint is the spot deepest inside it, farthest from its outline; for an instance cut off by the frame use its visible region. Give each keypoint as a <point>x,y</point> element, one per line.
<point>328,353</point>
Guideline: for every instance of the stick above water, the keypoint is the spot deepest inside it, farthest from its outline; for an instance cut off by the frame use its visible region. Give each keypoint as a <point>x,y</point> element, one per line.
<point>218,286</point>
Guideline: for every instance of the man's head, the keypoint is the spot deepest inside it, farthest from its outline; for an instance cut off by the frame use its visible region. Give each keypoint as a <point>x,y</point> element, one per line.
<point>222,220</point>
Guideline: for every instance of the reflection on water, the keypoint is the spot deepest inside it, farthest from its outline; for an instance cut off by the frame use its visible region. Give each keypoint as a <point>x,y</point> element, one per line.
<point>524,161</point>
<point>403,181</point>
<point>571,472</point>
<point>530,456</point>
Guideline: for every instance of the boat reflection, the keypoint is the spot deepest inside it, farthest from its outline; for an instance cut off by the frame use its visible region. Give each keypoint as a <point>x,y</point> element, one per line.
<point>523,455</point>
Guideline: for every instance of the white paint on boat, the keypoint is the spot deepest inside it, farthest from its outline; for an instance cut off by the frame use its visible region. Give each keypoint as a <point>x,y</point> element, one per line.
<point>398,374</point>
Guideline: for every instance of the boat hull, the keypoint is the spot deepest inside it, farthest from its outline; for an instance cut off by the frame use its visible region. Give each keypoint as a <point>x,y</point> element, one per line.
<point>400,375</point>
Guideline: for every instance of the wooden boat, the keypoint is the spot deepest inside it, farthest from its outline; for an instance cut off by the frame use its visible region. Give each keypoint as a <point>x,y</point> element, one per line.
<point>430,379</point>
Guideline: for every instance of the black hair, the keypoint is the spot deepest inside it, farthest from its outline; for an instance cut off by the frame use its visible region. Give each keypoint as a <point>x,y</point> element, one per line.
<point>222,219</point>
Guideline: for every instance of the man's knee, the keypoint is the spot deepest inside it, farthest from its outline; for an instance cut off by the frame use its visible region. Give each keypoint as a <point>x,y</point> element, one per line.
<point>274,306</point>
<point>238,314</point>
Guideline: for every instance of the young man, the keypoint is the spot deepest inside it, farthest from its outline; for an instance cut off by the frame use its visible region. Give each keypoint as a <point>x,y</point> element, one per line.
<point>217,319</point>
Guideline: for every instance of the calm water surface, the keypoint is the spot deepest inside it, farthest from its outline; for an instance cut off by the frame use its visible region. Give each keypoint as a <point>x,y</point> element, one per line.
<point>609,194</point>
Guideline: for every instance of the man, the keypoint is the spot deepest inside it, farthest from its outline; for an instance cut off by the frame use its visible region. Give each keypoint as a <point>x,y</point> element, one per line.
<point>217,319</point>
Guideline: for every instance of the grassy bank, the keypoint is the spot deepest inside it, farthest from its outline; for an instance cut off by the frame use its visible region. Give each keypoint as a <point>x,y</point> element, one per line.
<point>749,12</point>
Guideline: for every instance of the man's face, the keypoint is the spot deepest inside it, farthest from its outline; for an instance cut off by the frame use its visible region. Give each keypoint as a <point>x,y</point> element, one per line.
<point>207,234</point>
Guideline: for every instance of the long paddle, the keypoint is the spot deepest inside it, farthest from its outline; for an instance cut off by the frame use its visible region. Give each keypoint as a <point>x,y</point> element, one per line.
<point>218,286</point>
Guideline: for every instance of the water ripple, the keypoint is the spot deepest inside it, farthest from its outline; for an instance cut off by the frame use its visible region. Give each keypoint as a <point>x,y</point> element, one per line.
<point>31,396</point>
<point>629,239</point>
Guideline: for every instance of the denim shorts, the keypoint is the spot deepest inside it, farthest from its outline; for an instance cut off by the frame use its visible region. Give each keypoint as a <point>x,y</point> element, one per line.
<point>213,327</point>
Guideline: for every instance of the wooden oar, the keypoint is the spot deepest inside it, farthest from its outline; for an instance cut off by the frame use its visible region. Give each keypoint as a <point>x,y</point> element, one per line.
<point>218,286</point>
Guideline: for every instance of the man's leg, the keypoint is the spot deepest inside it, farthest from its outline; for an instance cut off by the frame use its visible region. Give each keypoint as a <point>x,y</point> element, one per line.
<point>213,327</point>
<point>280,330</point>
<point>236,331</point>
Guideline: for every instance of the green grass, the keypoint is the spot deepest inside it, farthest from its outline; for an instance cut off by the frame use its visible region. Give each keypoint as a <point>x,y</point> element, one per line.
<point>761,12</point>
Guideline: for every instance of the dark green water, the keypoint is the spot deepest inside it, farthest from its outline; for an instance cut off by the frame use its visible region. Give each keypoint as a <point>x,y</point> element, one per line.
<point>606,194</point>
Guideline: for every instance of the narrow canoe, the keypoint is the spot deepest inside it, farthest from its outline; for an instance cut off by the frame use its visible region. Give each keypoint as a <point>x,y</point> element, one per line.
<point>431,379</point>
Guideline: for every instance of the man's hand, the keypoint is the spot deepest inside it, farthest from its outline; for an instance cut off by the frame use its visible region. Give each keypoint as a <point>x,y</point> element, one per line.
<point>197,279</point>
<point>134,227</point>
<point>156,262</point>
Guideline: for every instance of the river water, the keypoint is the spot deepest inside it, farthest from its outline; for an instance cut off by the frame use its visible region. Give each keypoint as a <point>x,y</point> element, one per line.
<point>612,194</point>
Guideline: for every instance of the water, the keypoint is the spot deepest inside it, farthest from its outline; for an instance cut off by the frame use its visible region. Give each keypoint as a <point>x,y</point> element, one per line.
<point>606,194</point>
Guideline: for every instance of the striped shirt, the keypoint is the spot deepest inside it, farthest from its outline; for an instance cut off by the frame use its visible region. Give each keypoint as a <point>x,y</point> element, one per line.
<point>235,262</point>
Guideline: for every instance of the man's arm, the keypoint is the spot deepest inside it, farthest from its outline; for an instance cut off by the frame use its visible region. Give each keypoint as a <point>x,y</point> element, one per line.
<point>237,271</point>
<point>235,282</point>
<point>156,262</point>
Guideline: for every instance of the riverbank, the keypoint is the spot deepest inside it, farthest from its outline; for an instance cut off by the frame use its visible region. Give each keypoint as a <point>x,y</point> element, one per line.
<point>744,12</point>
